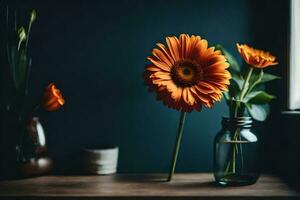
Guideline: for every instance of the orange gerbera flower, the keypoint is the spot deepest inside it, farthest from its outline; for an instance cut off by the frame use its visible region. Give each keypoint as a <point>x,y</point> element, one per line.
<point>52,99</point>
<point>255,57</point>
<point>186,74</point>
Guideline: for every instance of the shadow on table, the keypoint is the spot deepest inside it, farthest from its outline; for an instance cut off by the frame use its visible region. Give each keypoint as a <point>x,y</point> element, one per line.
<point>162,178</point>
<point>186,185</point>
<point>154,178</point>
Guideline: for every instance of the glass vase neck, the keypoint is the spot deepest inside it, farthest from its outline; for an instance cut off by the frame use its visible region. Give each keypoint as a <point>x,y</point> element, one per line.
<point>237,122</point>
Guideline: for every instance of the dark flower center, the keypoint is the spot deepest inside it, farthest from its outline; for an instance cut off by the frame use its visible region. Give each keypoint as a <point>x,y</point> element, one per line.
<point>186,73</point>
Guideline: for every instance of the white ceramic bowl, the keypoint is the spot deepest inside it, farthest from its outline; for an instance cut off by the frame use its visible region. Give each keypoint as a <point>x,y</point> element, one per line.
<point>103,160</point>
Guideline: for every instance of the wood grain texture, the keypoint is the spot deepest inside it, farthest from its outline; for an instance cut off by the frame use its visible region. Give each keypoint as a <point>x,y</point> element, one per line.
<point>121,186</point>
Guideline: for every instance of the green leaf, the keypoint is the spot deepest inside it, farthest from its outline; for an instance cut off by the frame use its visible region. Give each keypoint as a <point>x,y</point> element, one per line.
<point>13,65</point>
<point>251,95</point>
<point>22,33</point>
<point>269,77</point>
<point>258,112</point>
<point>32,16</point>
<point>238,79</point>
<point>234,89</point>
<point>28,71</point>
<point>22,67</point>
<point>231,60</point>
<point>18,65</point>
<point>259,77</point>
<point>226,96</point>
<point>255,79</point>
<point>260,97</point>
<point>256,76</point>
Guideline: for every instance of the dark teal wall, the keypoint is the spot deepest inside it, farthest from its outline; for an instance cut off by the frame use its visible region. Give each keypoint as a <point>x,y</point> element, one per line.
<point>95,51</point>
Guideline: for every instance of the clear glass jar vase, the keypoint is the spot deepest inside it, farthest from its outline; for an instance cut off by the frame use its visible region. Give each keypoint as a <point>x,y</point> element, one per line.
<point>236,153</point>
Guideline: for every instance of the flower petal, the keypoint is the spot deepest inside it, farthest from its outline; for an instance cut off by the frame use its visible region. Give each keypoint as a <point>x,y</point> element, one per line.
<point>161,75</point>
<point>174,45</point>
<point>162,57</point>
<point>166,52</point>
<point>159,63</point>
<point>176,94</point>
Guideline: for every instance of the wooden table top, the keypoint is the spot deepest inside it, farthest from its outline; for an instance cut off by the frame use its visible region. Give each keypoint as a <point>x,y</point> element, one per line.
<point>122,186</point>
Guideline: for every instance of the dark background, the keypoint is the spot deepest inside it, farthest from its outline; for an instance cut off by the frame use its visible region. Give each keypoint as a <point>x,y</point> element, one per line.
<point>95,51</point>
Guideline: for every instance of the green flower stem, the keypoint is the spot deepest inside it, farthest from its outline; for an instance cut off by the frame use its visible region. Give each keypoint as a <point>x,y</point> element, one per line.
<point>243,92</point>
<point>246,84</point>
<point>32,19</point>
<point>177,145</point>
<point>245,89</point>
<point>227,168</point>
<point>233,159</point>
<point>19,45</point>
<point>241,153</point>
<point>28,34</point>
<point>235,149</point>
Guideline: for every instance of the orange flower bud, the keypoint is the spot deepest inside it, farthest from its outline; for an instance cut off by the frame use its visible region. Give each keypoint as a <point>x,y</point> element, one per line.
<point>255,57</point>
<point>52,99</point>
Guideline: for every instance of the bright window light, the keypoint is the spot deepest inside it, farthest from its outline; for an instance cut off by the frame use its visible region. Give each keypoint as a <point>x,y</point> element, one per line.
<point>294,68</point>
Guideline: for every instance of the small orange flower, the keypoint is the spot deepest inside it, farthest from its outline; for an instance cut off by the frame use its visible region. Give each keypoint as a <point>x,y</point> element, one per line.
<point>186,74</point>
<point>52,99</point>
<point>255,57</point>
